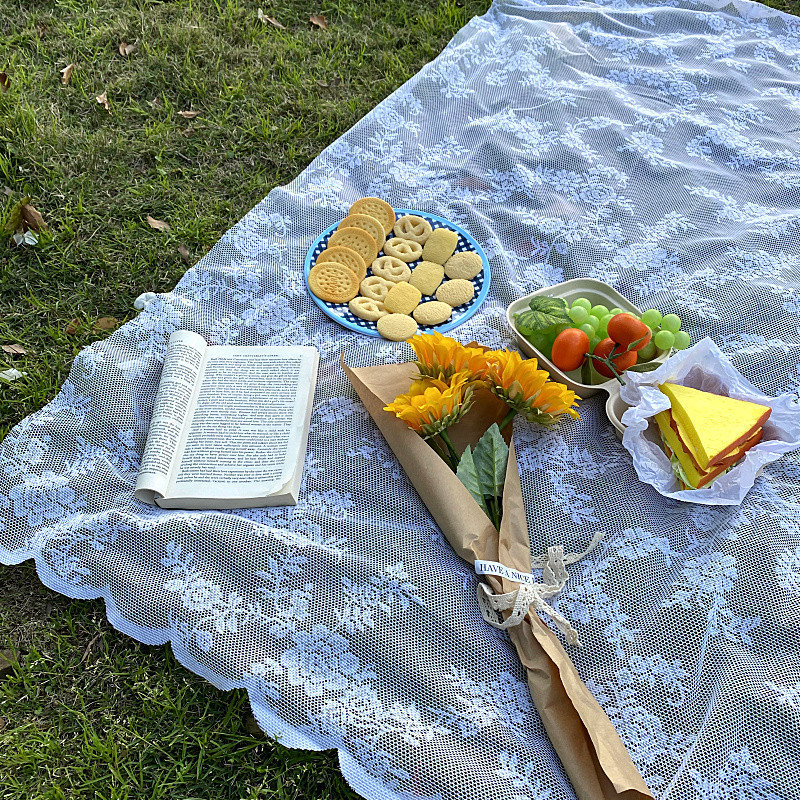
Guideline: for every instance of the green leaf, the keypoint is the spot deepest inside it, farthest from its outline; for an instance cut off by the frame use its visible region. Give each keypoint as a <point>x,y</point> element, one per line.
<point>645,366</point>
<point>468,475</point>
<point>491,460</point>
<point>544,312</point>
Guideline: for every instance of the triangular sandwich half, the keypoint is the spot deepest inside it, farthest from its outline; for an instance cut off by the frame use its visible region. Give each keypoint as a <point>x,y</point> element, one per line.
<point>715,425</point>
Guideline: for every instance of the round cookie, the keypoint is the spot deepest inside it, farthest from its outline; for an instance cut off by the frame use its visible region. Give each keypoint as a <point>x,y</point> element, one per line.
<point>333,282</point>
<point>427,276</point>
<point>456,292</point>
<point>404,249</point>
<point>375,288</point>
<point>346,256</point>
<point>391,269</point>
<point>366,308</point>
<point>412,227</point>
<point>433,312</point>
<point>463,265</point>
<point>377,208</point>
<point>371,225</point>
<point>402,298</point>
<point>356,239</point>
<point>397,327</point>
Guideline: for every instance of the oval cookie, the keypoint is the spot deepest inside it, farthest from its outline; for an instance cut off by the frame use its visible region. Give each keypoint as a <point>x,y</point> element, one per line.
<point>346,256</point>
<point>427,276</point>
<point>404,249</point>
<point>412,227</point>
<point>397,327</point>
<point>402,298</point>
<point>456,292</point>
<point>356,239</point>
<point>371,225</point>
<point>463,265</point>
<point>433,312</point>
<point>375,287</point>
<point>391,268</point>
<point>440,246</point>
<point>333,282</point>
<point>377,208</point>
<point>367,308</point>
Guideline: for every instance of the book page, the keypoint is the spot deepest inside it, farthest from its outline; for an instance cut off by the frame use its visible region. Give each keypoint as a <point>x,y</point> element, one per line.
<point>246,429</point>
<point>182,365</point>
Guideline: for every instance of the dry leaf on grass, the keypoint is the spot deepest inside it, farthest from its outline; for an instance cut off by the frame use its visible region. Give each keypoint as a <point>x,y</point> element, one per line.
<point>184,251</point>
<point>319,21</point>
<point>106,324</point>
<point>73,326</point>
<point>66,73</point>
<point>189,114</point>
<point>32,219</point>
<point>13,349</point>
<point>158,224</point>
<point>270,20</point>
<point>5,82</point>
<point>126,49</point>
<point>102,99</point>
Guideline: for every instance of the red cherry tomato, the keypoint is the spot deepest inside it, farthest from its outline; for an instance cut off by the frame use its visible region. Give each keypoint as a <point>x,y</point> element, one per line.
<point>622,359</point>
<point>569,349</point>
<point>625,329</point>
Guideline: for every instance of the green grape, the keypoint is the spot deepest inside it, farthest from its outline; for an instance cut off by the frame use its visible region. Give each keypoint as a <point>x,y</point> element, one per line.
<point>587,329</point>
<point>578,314</point>
<point>603,329</point>
<point>647,352</point>
<point>599,311</point>
<point>652,317</point>
<point>615,311</point>
<point>671,323</point>
<point>682,340</point>
<point>664,340</point>
<point>582,302</point>
<point>593,321</point>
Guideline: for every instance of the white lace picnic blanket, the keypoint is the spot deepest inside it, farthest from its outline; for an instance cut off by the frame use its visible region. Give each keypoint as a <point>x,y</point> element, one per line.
<point>653,146</point>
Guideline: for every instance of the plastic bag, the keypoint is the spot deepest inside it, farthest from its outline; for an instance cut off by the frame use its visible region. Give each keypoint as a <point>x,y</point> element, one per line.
<point>703,367</point>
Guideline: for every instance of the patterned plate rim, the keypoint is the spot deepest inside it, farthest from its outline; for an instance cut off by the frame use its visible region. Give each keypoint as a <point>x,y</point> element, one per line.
<point>447,326</point>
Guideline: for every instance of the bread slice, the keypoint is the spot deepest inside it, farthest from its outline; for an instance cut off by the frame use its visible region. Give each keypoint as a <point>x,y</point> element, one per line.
<point>715,425</point>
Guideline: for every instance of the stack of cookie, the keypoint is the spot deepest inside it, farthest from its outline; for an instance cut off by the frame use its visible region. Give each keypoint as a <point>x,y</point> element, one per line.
<point>391,294</point>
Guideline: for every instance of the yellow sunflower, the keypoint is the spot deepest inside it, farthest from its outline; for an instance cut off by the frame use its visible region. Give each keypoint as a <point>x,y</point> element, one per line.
<point>440,356</point>
<point>528,389</point>
<point>432,405</point>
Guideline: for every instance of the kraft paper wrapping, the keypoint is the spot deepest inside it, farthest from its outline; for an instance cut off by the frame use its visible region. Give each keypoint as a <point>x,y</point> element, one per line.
<point>584,738</point>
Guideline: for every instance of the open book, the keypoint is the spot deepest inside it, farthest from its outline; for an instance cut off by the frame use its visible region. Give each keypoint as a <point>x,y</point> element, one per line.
<point>229,426</point>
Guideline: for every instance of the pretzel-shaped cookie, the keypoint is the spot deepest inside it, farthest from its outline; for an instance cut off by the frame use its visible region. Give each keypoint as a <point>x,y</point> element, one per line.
<point>367,308</point>
<point>413,228</point>
<point>391,268</point>
<point>404,249</point>
<point>375,288</point>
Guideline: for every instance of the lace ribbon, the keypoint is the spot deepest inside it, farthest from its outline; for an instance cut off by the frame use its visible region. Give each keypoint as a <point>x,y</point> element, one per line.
<point>530,592</point>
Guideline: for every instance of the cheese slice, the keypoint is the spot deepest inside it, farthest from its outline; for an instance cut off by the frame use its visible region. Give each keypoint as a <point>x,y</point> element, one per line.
<point>714,425</point>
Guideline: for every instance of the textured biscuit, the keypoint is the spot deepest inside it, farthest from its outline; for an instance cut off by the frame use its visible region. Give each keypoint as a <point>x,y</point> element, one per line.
<point>377,208</point>
<point>396,327</point>
<point>346,256</point>
<point>375,288</point>
<point>456,292</point>
<point>463,265</point>
<point>433,312</point>
<point>356,239</point>
<point>413,227</point>
<point>427,276</point>
<point>440,246</point>
<point>333,282</point>
<point>404,249</point>
<point>402,298</point>
<point>391,268</point>
<point>371,225</point>
<point>366,308</point>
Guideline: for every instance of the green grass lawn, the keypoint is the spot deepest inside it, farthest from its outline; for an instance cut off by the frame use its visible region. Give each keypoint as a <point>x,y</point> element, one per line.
<point>88,712</point>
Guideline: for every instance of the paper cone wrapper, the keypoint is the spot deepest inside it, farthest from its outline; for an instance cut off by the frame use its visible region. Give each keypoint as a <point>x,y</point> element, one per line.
<point>584,738</point>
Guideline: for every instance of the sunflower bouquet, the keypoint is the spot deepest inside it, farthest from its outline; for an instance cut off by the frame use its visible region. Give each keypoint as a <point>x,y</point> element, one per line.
<point>450,375</point>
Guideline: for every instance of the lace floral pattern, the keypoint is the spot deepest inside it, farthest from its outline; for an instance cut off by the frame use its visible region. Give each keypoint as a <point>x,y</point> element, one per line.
<point>647,144</point>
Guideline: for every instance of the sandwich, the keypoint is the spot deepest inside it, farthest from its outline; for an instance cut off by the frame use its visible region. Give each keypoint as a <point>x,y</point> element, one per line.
<point>706,434</point>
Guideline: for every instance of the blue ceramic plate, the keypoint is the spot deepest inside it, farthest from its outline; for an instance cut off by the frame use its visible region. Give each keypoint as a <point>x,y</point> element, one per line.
<point>341,313</point>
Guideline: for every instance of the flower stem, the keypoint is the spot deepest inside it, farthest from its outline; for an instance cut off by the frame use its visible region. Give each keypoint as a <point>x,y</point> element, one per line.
<point>441,450</point>
<point>454,458</point>
<point>508,417</point>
